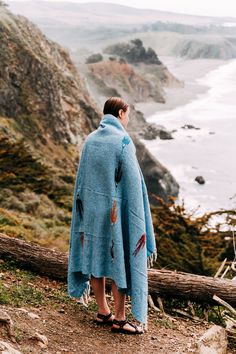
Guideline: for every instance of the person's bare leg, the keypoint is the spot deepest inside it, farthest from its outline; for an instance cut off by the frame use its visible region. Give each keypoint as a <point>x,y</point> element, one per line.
<point>119,300</point>
<point>98,285</point>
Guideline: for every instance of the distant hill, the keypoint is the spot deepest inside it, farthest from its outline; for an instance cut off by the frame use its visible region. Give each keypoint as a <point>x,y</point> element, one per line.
<point>213,47</point>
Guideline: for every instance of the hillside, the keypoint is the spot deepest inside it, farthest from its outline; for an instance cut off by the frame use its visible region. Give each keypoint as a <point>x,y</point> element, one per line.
<point>46,112</point>
<point>214,47</point>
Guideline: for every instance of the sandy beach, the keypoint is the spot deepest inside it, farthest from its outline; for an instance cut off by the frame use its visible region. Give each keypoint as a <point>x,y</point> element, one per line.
<point>187,70</point>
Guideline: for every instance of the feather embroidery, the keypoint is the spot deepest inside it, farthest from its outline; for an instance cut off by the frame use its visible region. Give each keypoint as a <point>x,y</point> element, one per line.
<point>82,238</point>
<point>79,205</point>
<point>118,172</point>
<point>140,244</point>
<point>112,249</point>
<point>118,175</point>
<point>113,214</point>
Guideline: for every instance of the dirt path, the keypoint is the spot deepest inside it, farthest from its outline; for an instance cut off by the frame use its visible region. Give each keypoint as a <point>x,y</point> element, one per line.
<point>69,326</point>
<point>70,329</point>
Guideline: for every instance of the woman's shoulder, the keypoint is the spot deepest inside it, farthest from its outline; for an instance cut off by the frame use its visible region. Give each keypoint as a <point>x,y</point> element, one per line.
<point>118,140</point>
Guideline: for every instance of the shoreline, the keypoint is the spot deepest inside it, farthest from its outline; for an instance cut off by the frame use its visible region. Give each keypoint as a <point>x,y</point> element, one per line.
<point>204,105</point>
<point>180,96</point>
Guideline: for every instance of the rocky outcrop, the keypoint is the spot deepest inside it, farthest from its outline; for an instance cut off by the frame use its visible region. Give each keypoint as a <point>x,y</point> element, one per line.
<point>94,58</point>
<point>120,78</point>
<point>159,180</point>
<point>147,64</point>
<point>152,130</point>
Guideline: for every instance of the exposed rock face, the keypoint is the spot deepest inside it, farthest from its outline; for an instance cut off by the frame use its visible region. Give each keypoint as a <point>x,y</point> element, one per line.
<point>159,180</point>
<point>40,86</point>
<point>120,77</point>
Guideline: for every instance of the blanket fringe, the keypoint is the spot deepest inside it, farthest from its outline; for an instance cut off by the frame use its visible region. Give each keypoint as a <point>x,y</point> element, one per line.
<point>85,297</point>
<point>152,258</point>
<point>144,326</point>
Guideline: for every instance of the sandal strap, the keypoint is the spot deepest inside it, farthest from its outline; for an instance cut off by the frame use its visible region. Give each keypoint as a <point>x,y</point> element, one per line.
<point>132,324</point>
<point>120,323</point>
<point>104,317</point>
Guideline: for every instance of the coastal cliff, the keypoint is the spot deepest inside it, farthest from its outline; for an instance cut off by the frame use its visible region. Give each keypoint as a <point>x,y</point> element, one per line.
<point>46,111</point>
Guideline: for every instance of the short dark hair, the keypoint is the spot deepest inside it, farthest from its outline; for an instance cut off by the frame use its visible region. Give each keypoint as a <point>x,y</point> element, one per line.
<point>113,105</point>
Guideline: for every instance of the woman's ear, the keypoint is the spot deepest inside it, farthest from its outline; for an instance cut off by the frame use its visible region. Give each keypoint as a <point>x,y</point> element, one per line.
<point>119,113</point>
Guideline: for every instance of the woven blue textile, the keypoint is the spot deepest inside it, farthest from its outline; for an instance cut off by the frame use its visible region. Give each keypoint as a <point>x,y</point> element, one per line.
<point>111,231</point>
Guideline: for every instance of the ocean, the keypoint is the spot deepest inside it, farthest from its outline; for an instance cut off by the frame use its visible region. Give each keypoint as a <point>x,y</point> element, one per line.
<point>208,151</point>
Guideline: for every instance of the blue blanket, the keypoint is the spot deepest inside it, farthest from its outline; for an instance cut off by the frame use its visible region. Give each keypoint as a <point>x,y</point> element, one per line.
<point>111,232</point>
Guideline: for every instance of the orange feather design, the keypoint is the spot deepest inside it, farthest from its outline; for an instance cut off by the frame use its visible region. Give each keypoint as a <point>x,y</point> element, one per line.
<point>113,214</point>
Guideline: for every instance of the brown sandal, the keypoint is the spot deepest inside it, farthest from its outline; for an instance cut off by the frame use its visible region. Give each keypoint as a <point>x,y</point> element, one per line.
<point>104,318</point>
<point>123,330</point>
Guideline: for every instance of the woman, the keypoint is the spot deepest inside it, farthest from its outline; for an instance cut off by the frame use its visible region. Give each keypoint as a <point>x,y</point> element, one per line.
<point>111,230</point>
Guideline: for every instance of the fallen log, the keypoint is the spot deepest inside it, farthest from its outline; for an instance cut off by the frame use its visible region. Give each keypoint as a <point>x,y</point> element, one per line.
<point>192,287</point>
<point>42,260</point>
<point>162,282</point>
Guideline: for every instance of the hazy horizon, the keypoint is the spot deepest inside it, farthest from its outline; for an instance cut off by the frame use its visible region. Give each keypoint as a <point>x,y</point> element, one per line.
<point>189,7</point>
